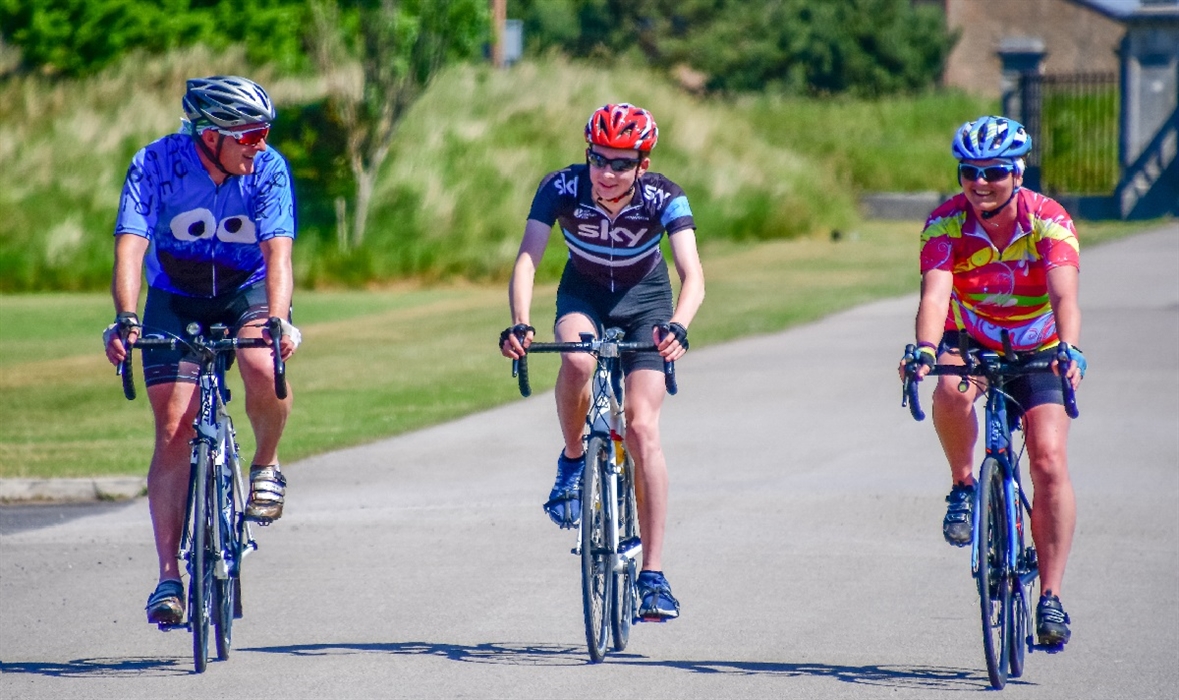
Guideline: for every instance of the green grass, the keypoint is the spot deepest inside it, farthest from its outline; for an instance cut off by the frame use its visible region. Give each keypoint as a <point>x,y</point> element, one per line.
<point>451,200</point>
<point>381,362</point>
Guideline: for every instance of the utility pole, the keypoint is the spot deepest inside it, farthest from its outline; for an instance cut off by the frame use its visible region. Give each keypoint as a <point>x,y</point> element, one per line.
<point>499,15</point>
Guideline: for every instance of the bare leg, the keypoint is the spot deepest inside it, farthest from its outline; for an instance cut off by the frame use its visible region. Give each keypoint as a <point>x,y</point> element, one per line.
<point>644,394</point>
<point>1054,506</point>
<point>175,406</point>
<point>267,413</point>
<point>956,422</point>
<point>572,389</point>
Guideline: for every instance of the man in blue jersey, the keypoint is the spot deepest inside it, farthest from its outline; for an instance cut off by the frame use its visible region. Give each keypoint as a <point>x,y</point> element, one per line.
<point>210,211</point>
<point>613,213</point>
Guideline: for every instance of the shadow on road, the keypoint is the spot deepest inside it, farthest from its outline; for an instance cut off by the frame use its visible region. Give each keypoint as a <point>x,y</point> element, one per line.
<point>100,668</point>
<point>896,676</point>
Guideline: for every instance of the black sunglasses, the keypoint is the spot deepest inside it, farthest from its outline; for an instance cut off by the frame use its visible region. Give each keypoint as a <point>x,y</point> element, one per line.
<point>990,173</point>
<point>618,165</point>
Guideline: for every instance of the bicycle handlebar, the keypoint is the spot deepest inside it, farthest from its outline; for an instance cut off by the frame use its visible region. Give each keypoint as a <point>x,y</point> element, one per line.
<point>210,346</point>
<point>989,369</point>
<point>520,366</point>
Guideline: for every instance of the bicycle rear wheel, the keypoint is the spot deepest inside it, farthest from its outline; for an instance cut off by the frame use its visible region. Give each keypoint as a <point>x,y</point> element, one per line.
<point>622,608</point>
<point>200,573</point>
<point>596,579</point>
<point>994,584</point>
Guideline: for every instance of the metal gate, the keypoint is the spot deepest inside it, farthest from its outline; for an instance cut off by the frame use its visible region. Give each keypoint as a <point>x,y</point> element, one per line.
<point>1073,122</point>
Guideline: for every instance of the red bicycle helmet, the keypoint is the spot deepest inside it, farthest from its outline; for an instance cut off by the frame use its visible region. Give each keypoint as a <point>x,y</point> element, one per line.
<point>622,125</point>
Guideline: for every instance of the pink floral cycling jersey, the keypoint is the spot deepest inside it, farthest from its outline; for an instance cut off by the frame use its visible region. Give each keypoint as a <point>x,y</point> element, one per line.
<point>1001,289</point>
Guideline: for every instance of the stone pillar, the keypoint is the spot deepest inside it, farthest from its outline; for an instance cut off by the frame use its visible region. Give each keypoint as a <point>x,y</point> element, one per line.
<point>1149,140</point>
<point>1021,56</point>
<point>1018,55</point>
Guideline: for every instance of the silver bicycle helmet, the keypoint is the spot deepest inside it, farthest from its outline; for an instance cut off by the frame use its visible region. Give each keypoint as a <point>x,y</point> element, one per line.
<point>226,101</point>
<point>991,137</point>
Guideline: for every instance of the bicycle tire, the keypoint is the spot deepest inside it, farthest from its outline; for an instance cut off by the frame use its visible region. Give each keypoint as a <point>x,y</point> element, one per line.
<point>623,601</point>
<point>224,589</point>
<point>994,584</point>
<point>1020,610</point>
<point>200,564</point>
<point>596,580</point>
<point>1019,629</point>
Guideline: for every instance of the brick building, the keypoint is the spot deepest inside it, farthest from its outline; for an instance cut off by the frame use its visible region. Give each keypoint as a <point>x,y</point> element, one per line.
<point>1078,36</point>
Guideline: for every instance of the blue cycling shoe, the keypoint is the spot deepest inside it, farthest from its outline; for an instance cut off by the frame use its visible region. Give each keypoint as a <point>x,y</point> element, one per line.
<point>656,603</point>
<point>564,504</point>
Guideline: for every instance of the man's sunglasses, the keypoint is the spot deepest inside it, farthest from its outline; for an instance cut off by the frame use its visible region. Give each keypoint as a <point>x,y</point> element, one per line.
<point>990,173</point>
<point>618,165</point>
<point>249,137</point>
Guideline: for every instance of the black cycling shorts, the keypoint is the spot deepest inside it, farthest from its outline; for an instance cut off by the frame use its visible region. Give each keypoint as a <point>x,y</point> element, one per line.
<point>636,310</point>
<point>167,313</point>
<point>1029,390</point>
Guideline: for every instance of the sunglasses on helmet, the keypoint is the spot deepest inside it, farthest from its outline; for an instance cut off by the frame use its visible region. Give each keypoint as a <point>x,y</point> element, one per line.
<point>248,137</point>
<point>990,173</point>
<point>618,165</point>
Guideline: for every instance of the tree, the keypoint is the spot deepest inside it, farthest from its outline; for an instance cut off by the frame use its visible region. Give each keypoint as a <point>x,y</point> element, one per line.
<point>865,47</point>
<point>378,56</point>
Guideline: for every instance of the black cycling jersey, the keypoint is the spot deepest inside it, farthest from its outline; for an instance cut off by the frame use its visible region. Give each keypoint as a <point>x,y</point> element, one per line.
<point>615,253</point>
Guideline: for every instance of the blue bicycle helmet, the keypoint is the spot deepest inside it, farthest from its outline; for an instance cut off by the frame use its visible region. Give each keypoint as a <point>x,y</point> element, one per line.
<point>991,137</point>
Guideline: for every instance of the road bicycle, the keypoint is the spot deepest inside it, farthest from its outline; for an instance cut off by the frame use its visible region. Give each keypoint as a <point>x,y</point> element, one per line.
<point>1004,566</point>
<point>608,540</point>
<point>217,536</point>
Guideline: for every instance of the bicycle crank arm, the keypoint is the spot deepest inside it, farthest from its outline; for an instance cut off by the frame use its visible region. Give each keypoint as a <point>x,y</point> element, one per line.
<point>628,551</point>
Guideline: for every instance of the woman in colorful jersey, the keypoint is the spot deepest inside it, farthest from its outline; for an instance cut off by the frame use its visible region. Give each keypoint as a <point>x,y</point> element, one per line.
<point>612,213</point>
<point>999,257</point>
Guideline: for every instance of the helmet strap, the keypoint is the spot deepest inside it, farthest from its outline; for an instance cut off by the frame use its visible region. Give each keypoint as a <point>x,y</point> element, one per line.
<point>988,215</point>
<point>619,198</point>
<point>215,157</point>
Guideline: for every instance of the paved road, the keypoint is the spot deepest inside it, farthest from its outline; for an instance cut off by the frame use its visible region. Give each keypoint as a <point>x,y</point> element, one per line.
<point>804,544</point>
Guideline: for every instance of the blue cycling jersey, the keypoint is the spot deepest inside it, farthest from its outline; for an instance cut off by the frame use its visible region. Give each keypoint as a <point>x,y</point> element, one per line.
<point>203,237</point>
<point>615,252</point>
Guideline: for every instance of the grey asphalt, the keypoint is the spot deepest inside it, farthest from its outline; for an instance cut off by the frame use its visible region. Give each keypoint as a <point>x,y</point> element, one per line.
<point>804,543</point>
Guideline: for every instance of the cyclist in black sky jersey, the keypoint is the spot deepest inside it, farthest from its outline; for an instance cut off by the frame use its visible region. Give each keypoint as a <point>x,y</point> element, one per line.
<point>612,213</point>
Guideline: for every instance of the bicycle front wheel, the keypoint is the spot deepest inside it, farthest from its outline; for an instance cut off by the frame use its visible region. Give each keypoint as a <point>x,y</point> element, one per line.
<point>596,578</point>
<point>622,609</point>
<point>200,572</point>
<point>225,589</point>
<point>994,583</point>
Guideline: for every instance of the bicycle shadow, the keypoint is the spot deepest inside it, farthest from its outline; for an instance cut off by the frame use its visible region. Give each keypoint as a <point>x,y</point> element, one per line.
<point>887,675</point>
<point>101,667</point>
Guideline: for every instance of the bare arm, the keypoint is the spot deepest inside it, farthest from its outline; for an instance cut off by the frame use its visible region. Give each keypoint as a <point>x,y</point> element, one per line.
<point>936,286</point>
<point>687,265</point>
<point>536,239</point>
<point>1063,286</point>
<point>126,282</point>
<point>280,282</point>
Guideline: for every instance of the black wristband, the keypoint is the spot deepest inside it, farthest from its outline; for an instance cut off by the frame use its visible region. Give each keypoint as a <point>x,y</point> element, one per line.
<point>126,319</point>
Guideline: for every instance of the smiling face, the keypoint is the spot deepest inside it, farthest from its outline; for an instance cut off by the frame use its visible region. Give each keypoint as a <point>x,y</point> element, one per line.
<point>987,196</point>
<point>609,184</point>
<point>236,158</point>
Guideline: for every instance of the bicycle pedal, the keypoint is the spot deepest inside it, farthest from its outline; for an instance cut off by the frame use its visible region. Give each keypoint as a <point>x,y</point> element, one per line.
<point>165,627</point>
<point>576,551</point>
<point>1048,648</point>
